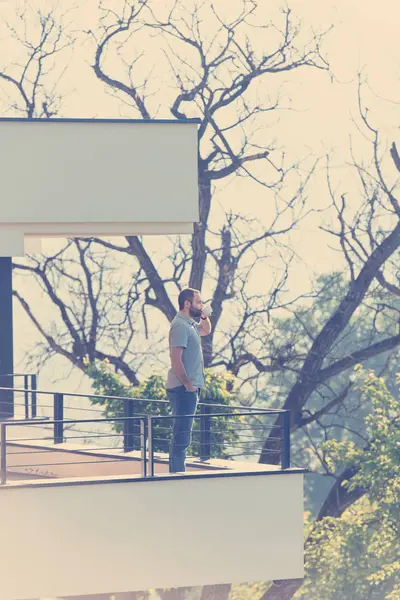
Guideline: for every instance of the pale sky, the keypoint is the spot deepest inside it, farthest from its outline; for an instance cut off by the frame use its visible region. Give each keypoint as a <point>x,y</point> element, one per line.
<point>365,36</point>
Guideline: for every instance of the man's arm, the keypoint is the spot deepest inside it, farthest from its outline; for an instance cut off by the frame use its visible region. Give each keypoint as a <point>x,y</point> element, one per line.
<point>179,368</point>
<point>205,326</point>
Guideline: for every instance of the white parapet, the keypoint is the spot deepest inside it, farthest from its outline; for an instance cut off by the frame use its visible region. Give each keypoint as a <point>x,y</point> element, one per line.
<point>118,537</point>
<point>63,177</point>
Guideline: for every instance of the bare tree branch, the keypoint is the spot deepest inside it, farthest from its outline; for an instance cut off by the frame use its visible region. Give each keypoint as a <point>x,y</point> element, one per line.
<point>34,81</point>
<point>123,24</point>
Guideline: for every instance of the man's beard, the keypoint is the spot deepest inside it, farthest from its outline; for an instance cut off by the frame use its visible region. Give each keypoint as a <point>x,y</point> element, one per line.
<point>195,312</point>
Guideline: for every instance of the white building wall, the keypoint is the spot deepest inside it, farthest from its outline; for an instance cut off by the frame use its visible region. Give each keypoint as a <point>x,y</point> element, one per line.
<point>119,537</point>
<point>96,178</point>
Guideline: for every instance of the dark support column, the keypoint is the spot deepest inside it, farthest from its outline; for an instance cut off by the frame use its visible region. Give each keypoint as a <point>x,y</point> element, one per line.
<point>6,338</point>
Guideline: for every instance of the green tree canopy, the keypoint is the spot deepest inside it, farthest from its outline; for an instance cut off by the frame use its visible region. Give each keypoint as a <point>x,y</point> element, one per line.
<point>357,556</point>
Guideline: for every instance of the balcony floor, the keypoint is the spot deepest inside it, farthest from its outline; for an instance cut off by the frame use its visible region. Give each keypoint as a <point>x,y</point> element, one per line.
<point>43,462</point>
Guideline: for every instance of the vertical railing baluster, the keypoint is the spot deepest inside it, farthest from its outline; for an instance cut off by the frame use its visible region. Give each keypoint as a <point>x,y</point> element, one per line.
<point>128,426</point>
<point>33,396</point>
<point>150,443</point>
<point>143,447</point>
<point>205,433</point>
<point>58,418</point>
<point>285,458</point>
<point>3,459</point>
<point>26,396</point>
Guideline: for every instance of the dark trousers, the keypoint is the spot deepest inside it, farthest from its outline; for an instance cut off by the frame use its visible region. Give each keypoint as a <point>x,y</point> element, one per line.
<point>183,403</point>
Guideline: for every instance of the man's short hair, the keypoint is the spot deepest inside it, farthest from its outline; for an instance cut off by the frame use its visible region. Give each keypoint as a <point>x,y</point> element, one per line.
<point>186,294</point>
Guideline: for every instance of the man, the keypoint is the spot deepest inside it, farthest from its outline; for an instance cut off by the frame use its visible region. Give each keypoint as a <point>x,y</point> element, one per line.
<point>186,376</point>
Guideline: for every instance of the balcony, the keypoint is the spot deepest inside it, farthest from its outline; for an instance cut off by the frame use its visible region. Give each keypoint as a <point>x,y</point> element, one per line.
<point>91,507</point>
<point>88,504</point>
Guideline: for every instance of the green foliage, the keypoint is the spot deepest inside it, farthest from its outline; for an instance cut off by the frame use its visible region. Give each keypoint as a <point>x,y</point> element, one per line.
<point>219,389</point>
<point>356,557</point>
<point>346,419</point>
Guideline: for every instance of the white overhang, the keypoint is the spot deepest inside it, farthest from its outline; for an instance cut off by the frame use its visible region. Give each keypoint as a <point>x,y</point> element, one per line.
<point>64,177</point>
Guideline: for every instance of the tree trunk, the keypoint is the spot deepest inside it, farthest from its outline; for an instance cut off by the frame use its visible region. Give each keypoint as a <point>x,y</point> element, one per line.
<point>282,590</point>
<point>311,374</point>
<point>88,597</point>
<point>339,497</point>
<point>131,596</point>
<point>199,254</point>
<point>121,596</point>
<point>216,592</point>
<point>172,594</point>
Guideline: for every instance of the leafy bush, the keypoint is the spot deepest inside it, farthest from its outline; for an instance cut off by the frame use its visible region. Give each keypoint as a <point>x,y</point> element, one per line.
<point>219,389</point>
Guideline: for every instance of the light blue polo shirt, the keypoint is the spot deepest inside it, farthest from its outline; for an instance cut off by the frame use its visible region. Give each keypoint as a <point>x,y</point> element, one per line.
<point>185,333</point>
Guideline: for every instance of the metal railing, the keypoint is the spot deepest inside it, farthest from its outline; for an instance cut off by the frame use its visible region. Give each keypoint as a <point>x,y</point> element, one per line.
<point>227,438</point>
<point>130,407</point>
<point>226,442</point>
<point>29,390</point>
<point>4,464</point>
<point>127,398</point>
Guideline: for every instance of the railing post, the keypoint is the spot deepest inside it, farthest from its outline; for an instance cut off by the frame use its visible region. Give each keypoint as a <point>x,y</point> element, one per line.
<point>285,459</point>
<point>33,396</point>
<point>151,449</point>
<point>205,433</point>
<point>3,460</point>
<point>58,418</point>
<point>143,447</point>
<point>26,396</point>
<point>128,426</point>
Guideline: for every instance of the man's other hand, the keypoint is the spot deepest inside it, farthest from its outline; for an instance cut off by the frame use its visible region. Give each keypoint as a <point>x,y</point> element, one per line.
<point>190,388</point>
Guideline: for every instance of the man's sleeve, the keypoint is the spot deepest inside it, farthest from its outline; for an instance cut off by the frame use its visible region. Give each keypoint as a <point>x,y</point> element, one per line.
<point>178,337</point>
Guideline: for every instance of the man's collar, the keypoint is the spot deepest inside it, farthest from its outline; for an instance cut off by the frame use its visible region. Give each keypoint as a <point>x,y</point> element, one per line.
<point>185,317</point>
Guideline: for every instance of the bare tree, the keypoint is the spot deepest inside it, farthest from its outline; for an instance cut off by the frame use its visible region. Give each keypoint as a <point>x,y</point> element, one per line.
<point>212,73</point>
<point>370,243</point>
<point>212,78</point>
<point>32,78</point>
<point>234,142</point>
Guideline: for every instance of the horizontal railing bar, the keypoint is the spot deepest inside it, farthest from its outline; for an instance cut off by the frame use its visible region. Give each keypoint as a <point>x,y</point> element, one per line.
<point>250,441</point>
<point>67,394</point>
<point>91,435</point>
<point>160,427</point>
<point>42,439</point>
<point>22,421</point>
<point>248,427</point>
<point>98,450</point>
<point>22,403</point>
<point>38,421</point>
<point>266,428</point>
<point>65,407</point>
<point>29,422</point>
<point>97,410</point>
<point>70,395</point>
<point>254,454</point>
<point>243,414</point>
<point>71,437</point>
<point>237,444</point>
<point>18,375</point>
<point>225,446</point>
<point>60,464</point>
